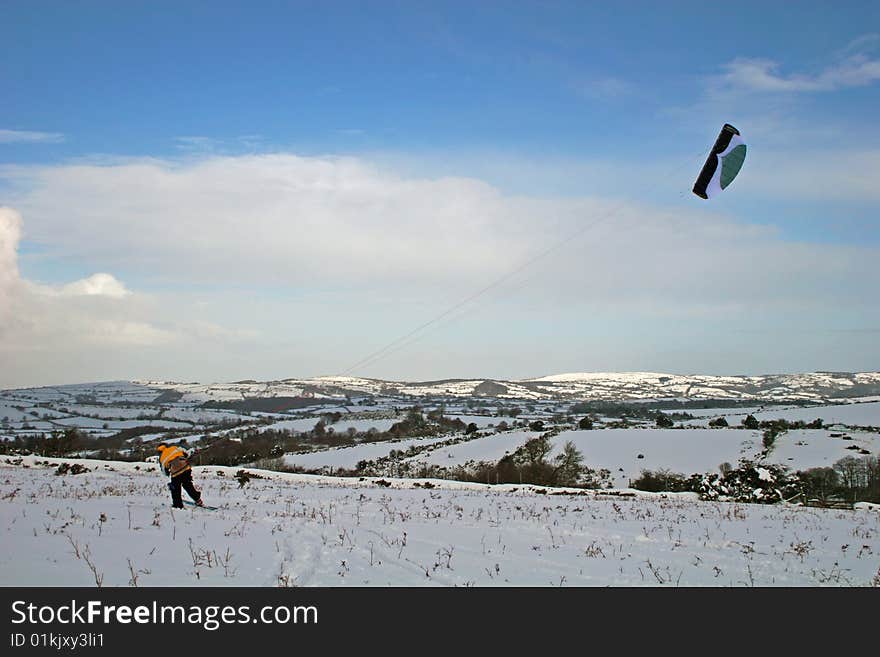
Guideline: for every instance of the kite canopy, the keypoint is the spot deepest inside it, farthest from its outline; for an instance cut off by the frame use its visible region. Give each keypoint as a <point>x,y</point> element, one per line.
<point>723,163</point>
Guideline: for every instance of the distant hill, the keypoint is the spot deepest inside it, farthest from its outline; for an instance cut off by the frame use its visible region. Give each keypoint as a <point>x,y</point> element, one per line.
<point>809,387</point>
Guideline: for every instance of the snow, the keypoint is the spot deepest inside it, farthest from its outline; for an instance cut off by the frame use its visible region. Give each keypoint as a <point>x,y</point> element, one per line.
<point>737,413</point>
<point>625,377</point>
<point>204,415</point>
<point>764,475</point>
<point>348,457</point>
<point>40,425</point>
<point>379,424</point>
<point>14,414</point>
<point>482,421</point>
<point>862,414</point>
<point>867,414</point>
<point>115,412</point>
<point>308,423</point>
<point>685,451</point>
<point>801,449</point>
<point>88,422</point>
<point>287,529</point>
<point>490,448</point>
<point>300,424</point>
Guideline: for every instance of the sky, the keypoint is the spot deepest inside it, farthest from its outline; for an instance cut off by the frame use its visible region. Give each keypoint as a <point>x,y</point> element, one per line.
<point>219,191</point>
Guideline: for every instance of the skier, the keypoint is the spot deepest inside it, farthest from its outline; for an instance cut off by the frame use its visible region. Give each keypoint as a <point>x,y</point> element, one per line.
<point>173,462</point>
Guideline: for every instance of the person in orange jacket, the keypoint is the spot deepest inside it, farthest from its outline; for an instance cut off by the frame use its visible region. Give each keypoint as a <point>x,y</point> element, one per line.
<point>173,462</point>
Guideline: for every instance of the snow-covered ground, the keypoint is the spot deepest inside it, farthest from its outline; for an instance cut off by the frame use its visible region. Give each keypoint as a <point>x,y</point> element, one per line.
<point>685,451</point>
<point>11,413</point>
<point>801,449</point>
<point>116,412</point>
<point>114,525</point>
<point>482,421</point>
<point>308,423</point>
<point>92,423</point>
<point>626,452</point>
<point>813,386</point>
<point>739,412</point>
<point>348,457</point>
<point>489,448</point>
<point>204,415</point>
<point>379,424</point>
<point>860,414</point>
<point>867,414</point>
<point>299,424</point>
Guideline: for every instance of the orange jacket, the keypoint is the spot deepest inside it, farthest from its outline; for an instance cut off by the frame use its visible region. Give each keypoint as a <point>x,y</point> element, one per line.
<point>173,460</point>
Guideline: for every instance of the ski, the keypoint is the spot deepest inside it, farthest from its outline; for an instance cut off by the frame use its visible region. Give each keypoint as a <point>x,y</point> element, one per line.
<point>204,506</point>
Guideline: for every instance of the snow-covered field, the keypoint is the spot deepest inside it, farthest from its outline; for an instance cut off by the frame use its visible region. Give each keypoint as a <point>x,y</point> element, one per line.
<point>685,451</point>
<point>489,448</point>
<point>204,416</point>
<point>860,414</point>
<point>348,457</point>
<point>299,424</point>
<point>308,423</point>
<point>323,531</point>
<point>482,421</point>
<point>681,450</point>
<point>812,448</point>
<point>116,412</point>
<point>867,414</point>
<point>92,423</point>
<point>379,424</point>
<point>113,525</point>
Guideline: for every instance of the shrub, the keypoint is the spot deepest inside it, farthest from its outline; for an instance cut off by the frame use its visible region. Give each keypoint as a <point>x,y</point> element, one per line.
<point>661,480</point>
<point>749,482</point>
<point>664,422</point>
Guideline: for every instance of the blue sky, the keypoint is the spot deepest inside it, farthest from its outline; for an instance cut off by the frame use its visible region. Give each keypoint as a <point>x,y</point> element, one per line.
<point>561,78</point>
<point>554,112</point>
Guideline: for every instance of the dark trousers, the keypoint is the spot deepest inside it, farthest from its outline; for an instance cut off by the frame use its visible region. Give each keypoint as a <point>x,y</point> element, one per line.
<point>184,480</point>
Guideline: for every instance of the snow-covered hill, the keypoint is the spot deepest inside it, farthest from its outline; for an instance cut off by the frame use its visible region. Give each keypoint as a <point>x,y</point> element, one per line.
<point>815,386</point>
<point>113,526</point>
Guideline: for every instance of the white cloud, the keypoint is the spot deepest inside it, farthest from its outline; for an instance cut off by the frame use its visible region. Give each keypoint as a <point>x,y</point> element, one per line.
<point>96,322</point>
<point>808,174</point>
<point>272,218</point>
<point>332,258</point>
<point>96,285</point>
<point>854,66</point>
<point>29,136</point>
<point>10,234</point>
<point>308,224</point>
<point>762,75</point>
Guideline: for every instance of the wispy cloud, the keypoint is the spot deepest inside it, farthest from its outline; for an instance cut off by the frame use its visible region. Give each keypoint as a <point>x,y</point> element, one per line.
<point>29,136</point>
<point>605,88</point>
<point>197,144</point>
<point>854,66</point>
